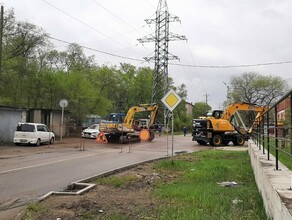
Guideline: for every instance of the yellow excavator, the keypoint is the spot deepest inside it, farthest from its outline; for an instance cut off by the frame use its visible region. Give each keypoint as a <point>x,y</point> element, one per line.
<point>222,127</point>
<point>127,129</point>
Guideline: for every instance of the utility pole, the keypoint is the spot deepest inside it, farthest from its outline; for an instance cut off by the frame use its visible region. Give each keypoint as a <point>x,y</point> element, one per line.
<point>206,101</point>
<point>1,38</point>
<point>206,98</point>
<point>228,100</point>
<point>161,38</point>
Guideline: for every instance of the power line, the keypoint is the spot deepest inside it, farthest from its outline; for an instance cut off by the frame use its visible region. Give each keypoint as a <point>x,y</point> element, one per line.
<point>116,16</point>
<point>232,66</point>
<point>83,23</point>
<point>176,64</point>
<point>76,19</point>
<point>99,51</point>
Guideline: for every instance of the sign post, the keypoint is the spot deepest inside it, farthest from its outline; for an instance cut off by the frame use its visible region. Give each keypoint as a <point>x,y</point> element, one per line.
<point>171,100</point>
<point>63,103</point>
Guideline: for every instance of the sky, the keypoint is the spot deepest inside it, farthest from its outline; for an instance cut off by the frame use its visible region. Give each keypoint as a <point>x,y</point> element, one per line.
<point>219,33</point>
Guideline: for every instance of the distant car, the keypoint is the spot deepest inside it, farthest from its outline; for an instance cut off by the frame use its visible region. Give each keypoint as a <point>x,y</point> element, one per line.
<point>91,132</point>
<point>33,133</point>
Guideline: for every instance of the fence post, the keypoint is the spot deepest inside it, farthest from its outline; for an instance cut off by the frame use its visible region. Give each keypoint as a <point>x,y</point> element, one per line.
<point>276,138</point>
<point>268,134</point>
<point>290,127</point>
<point>258,136</point>
<point>263,133</point>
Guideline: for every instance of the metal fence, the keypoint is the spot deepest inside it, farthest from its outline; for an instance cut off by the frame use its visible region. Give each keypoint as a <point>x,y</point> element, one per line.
<point>273,132</point>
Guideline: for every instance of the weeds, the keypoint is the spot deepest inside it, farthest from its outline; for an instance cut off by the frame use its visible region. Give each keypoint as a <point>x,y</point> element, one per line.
<point>117,181</point>
<point>33,210</point>
<point>195,194</point>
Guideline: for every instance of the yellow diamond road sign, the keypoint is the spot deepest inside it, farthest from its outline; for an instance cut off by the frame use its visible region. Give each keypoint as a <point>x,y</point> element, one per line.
<point>171,100</point>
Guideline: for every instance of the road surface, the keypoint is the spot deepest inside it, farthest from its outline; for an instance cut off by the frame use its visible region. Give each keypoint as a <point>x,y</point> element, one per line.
<point>27,173</point>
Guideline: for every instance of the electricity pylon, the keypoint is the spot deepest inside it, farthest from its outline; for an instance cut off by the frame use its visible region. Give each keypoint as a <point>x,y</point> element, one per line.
<point>161,38</point>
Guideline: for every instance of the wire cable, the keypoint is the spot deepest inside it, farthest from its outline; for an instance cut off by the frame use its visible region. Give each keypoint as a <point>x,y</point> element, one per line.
<point>99,51</point>
<point>76,19</point>
<point>233,66</point>
<point>176,64</point>
<point>119,18</point>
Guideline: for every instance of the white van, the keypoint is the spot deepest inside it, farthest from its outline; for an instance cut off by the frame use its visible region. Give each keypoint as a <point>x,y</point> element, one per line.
<point>33,133</point>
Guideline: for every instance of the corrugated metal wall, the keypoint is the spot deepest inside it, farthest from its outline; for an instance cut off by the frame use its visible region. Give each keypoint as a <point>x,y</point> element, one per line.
<point>9,119</point>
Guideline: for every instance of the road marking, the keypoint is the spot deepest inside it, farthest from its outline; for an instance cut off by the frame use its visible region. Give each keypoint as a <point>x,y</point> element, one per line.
<point>57,161</point>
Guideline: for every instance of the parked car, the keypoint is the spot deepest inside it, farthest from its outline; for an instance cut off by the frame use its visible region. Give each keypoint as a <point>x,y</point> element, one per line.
<point>33,133</point>
<point>91,132</point>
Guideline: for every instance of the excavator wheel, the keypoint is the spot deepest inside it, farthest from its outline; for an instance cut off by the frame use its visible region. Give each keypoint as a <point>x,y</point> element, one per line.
<point>216,140</point>
<point>239,141</point>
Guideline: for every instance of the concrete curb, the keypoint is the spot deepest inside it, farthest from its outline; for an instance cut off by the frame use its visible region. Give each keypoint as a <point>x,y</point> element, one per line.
<point>274,185</point>
<point>84,188</point>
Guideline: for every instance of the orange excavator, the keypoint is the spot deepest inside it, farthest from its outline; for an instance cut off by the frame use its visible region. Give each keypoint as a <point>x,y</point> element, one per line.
<point>222,127</point>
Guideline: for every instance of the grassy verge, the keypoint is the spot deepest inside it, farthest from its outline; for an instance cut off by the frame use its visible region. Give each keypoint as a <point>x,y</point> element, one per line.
<point>195,193</point>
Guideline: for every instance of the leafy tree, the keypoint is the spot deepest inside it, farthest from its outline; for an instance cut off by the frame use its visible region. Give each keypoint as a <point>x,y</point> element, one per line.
<point>181,91</point>
<point>181,118</point>
<point>21,43</point>
<point>76,59</point>
<point>255,88</point>
<point>200,109</point>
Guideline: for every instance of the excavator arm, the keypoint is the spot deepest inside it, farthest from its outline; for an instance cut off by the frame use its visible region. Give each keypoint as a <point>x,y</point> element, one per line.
<point>243,106</point>
<point>129,119</point>
<point>233,109</point>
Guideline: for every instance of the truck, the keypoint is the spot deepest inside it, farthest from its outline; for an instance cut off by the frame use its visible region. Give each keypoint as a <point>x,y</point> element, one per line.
<point>221,127</point>
<point>125,128</point>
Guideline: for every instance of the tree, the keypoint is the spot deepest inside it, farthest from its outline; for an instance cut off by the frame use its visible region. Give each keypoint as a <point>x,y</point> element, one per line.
<point>22,42</point>
<point>255,88</point>
<point>200,109</point>
<point>181,119</point>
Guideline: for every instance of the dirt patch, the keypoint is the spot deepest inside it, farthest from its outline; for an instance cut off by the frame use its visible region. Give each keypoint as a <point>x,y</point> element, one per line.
<point>10,151</point>
<point>126,195</point>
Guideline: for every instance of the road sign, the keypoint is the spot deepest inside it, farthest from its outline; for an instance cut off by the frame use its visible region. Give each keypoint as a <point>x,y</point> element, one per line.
<point>101,138</point>
<point>63,103</point>
<point>144,135</point>
<point>171,100</point>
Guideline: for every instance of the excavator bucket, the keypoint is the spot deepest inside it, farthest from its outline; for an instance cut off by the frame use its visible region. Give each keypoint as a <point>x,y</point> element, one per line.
<point>101,138</point>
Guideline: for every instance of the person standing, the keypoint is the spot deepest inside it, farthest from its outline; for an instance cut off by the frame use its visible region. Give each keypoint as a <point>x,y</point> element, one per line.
<point>159,130</point>
<point>185,130</point>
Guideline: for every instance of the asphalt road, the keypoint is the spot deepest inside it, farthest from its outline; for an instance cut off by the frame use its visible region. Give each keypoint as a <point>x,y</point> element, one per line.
<point>27,173</point>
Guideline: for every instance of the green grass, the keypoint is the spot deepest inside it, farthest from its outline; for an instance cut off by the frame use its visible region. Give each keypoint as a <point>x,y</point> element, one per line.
<point>195,194</point>
<point>33,210</point>
<point>283,152</point>
<point>117,181</point>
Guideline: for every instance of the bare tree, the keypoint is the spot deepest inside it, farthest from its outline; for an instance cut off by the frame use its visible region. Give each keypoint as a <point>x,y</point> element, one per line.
<point>255,88</point>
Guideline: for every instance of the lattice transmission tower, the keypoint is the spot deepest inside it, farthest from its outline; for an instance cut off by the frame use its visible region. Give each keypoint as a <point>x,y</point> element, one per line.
<point>161,37</point>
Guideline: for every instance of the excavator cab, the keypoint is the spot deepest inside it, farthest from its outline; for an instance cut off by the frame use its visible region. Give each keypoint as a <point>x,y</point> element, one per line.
<point>217,114</point>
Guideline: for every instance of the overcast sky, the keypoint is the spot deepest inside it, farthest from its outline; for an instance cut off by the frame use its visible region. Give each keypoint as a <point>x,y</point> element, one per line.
<point>218,32</point>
